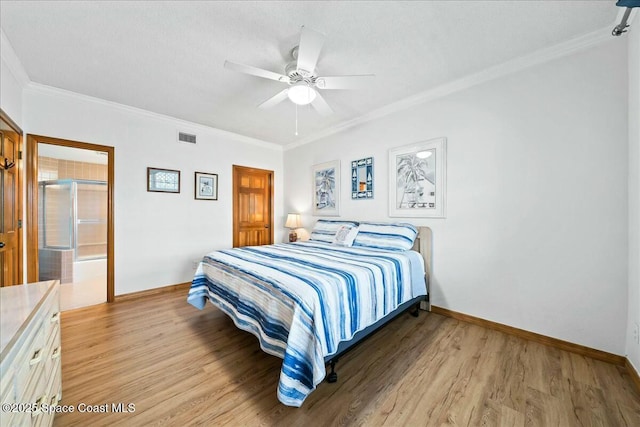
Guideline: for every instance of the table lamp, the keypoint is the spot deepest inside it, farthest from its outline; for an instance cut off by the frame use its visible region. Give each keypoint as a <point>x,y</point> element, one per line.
<point>293,222</point>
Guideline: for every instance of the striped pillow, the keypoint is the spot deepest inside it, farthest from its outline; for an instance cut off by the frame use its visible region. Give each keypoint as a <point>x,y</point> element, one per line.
<point>393,237</point>
<point>325,230</point>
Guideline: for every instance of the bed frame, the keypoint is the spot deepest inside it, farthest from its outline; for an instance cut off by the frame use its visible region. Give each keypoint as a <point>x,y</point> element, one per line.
<point>423,246</point>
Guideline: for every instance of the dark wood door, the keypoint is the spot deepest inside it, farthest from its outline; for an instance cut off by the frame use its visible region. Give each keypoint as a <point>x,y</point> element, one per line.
<point>10,247</point>
<point>252,206</point>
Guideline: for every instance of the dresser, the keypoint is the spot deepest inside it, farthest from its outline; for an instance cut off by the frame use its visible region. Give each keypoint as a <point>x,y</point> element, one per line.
<point>30,366</point>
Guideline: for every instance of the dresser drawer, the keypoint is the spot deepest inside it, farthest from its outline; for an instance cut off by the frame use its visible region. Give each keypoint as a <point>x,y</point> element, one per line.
<point>18,419</point>
<point>8,397</point>
<point>39,393</point>
<point>51,319</point>
<point>29,363</point>
<point>8,386</point>
<point>54,394</point>
<point>30,351</point>
<point>52,351</point>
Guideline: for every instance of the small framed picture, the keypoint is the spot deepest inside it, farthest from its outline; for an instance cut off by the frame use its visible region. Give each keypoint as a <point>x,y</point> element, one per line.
<point>163,180</point>
<point>206,186</point>
<point>362,178</point>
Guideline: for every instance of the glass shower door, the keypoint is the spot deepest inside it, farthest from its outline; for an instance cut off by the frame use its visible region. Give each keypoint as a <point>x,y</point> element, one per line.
<point>56,221</point>
<point>91,220</point>
<point>55,231</point>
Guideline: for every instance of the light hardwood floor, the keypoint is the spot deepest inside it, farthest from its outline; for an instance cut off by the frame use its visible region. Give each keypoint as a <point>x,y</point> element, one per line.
<point>180,366</point>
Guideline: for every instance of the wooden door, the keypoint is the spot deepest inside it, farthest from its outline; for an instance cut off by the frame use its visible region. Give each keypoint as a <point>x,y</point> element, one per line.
<point>252,206</point>
<point>10,221</point>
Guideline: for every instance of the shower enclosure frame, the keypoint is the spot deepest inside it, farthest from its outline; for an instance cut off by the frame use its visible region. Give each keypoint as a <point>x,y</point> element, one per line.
<point>74,221</point>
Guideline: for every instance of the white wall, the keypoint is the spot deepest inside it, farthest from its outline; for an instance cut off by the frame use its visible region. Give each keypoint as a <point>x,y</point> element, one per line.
<point>536,229</point>
<point>157,235</point>
<point>633,348</point>
<point>12,80</point>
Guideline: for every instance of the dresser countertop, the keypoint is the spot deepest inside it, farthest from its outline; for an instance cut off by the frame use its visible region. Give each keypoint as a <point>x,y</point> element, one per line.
<point>17,306</point>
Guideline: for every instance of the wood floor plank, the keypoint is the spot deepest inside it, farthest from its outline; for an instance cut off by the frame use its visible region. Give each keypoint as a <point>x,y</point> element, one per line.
<point>544,368</point>
<point>510,417</point>
<point>508,387</point>
<point>545,410</point>
<point>181,366</point>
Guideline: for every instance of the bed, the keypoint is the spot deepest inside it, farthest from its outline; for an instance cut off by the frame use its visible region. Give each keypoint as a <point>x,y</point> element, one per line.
<point>311,302</point>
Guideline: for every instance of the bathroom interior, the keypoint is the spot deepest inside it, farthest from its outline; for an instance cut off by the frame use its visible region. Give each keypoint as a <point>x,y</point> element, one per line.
<point>72,223</point>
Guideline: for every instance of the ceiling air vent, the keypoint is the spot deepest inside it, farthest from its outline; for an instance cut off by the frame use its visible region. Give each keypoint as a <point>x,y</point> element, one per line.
<point>186,137</point>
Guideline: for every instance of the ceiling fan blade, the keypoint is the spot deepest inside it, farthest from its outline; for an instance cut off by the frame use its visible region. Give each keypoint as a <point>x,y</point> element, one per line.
<point>344,82</point>
<point>309,49</point>
<point>321,105</point>
<point>276,99</point>
<point>248,69</point>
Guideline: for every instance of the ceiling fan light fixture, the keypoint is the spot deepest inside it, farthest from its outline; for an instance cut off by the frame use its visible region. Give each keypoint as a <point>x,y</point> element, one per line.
<point>301,94</point>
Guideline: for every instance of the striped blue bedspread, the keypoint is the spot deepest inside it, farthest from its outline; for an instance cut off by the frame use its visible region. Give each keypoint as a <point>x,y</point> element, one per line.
<point>302,299</point>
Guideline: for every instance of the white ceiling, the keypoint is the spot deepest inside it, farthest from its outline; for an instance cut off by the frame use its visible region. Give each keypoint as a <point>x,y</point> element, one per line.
<point>167,57</point>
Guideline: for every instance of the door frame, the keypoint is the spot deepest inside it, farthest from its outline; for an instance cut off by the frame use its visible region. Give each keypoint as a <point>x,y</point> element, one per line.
<point>32,204</point>
<point>14,126</point>
<point>236,213</point>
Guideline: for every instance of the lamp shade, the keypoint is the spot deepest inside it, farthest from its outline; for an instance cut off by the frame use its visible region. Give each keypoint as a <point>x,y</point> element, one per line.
<point>293,221</point>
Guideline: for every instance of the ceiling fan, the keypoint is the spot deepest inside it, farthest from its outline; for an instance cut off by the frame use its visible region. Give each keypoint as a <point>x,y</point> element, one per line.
<point>302,77</point>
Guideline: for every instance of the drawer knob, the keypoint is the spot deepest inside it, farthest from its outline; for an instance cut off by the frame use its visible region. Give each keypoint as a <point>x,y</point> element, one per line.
<point>55,317</point>
<point>37,356</point>
<point>56,353</point>
<point>38,408</point>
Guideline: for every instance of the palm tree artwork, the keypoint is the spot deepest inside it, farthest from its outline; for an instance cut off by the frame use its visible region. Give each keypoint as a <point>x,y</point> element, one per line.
<point>415,183</point>
<point>325,189</point>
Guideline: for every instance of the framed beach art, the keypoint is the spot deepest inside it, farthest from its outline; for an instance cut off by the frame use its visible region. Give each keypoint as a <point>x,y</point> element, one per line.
<point>417,179</point>
<point>326,189</point>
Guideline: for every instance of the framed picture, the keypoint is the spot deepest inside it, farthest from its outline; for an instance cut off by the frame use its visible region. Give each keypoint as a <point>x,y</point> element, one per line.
<point>362,178</point>
<point>417,179</point>
<point>163,180</point>
<point>326,189</point>
<point>206,186</point>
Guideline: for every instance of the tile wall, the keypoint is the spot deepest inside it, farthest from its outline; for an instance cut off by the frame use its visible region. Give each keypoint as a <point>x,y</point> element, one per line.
<point>56,264</point>
<point>50,168</point>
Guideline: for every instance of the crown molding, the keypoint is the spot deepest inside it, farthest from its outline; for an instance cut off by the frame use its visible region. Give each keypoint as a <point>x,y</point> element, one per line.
<point>10,58</point>
<point>186,125</point>
<point>538,57</point>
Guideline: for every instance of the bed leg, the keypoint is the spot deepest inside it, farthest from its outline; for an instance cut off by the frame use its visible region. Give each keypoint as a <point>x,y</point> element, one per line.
<point>333,376</point>
<point>416,311</point>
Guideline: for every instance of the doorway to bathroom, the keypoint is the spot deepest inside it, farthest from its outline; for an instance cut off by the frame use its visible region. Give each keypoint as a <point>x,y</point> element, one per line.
<point>70,227</point>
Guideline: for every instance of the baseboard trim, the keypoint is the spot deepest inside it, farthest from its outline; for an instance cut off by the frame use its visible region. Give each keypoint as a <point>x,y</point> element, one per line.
<point>149,292</point>
<point>635,377</point>
<point>539,338</point>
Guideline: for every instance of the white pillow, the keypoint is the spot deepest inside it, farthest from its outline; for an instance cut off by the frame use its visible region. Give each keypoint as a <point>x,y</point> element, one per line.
<point>345,235</point>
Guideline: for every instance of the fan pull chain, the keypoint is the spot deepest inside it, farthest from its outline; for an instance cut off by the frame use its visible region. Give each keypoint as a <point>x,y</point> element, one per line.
<point>296,119</point>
